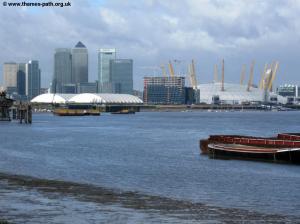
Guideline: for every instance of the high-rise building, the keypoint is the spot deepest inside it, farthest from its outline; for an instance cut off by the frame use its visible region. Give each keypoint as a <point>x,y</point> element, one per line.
<point>164,90</point>
<point>89,87</point>
<point>62,69</point>
<point>79,64</point>
<point>33,79</point>
<point>21,79</point>
<point>121,75</point>
<point>104,57</point>
<point>10,70</point>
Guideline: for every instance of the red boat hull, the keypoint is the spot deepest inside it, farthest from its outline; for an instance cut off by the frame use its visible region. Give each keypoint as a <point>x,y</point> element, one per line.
<point>283,148</point>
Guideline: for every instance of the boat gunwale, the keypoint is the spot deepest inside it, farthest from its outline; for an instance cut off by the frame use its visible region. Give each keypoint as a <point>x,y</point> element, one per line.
<point>247,149</point>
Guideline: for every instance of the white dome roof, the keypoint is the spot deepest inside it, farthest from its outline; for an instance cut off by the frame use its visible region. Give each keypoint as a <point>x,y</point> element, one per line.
<point>233,93</point>
<point>103,98</point>
<point>48,98</point>
<point>119,98</point>
<point>85,98</point>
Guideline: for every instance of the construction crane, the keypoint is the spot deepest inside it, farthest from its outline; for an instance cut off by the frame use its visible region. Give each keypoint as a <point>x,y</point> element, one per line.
<point>273,74</point>
<point>216,73</point>
<point>251,76</point>
<point>163,69</point>
<point>171,69</point>
<point>243,74</point>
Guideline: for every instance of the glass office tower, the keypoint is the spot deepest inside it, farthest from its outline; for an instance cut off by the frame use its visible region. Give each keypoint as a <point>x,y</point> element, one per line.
<point>33,79</point>
<point>121,75</point>
<point>21,79</point>
<point>62,69</point>
<point>104,57</point>
<point>79,64</point>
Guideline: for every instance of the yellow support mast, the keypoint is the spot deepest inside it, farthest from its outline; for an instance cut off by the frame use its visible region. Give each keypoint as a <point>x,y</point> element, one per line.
<point>243,73</point>
<point>251,76</point>
<point>216,73</point>
<point>163,69</point>
<point>171,69</point>
<point>273,74</point>
<point>223,76</point>
<point>194,75</point>
<point>261,83</point>
<point>190,74</point>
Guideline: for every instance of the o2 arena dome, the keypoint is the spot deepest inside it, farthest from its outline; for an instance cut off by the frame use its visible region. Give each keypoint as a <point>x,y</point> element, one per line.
<point>236,94</point>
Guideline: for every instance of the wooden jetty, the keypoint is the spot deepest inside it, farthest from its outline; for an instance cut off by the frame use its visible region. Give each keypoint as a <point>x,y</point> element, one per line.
<point>11,110</point>
<point>5,105</point>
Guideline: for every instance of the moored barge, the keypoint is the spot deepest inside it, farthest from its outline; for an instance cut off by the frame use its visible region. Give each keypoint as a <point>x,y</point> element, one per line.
<point>283,148</point>
<point>76,110</point>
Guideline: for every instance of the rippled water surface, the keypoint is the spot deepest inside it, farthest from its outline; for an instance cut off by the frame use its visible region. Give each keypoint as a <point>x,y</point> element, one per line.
<point>156,154</point>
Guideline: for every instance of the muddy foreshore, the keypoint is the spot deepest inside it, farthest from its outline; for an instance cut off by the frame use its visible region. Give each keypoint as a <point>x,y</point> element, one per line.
<point>182,210</point>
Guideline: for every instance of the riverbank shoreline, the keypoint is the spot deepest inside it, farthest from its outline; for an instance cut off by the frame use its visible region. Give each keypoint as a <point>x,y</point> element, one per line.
<point>182,210</point>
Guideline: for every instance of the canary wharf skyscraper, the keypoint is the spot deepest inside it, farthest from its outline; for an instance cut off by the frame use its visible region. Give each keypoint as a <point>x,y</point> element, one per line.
<point>62,69</point>
<point>104,57</point>
<point>79,64</point>
<point>33,79</point>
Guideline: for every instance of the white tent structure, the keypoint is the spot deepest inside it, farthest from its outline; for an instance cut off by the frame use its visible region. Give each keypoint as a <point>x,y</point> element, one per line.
<point>87,98</point>
<point>234,93</point>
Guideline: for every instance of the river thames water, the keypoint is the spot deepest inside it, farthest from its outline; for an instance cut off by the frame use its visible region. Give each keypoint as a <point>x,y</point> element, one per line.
<point>150,166</point>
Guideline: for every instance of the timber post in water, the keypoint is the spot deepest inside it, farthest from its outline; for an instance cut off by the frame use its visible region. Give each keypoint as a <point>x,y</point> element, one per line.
<point>24,112</point>
<point>5,104</point>
<point>21,111</point>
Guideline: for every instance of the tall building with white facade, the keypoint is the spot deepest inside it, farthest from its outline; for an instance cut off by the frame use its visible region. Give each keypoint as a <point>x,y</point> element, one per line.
<point>10,70</point>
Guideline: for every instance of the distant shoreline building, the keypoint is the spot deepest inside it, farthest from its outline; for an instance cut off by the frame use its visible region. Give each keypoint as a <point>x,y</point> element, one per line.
<point>104,57</point>
<point>71,71</point>
<point>62,69</point>
<point>121,75</point>
<point>80,71</point>
<point>22,80</point>
<point>164,90</point>
<point>33,79</point>
<point>10,70</point>
<point>291,92</point>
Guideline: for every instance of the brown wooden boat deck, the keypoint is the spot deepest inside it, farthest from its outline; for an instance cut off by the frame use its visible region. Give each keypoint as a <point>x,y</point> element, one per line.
<point>283,148</point>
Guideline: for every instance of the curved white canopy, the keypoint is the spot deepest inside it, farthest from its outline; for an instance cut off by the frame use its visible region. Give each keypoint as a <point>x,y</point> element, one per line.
<point>48,98</point>
<point>85,98</point>
<point>105,98</point>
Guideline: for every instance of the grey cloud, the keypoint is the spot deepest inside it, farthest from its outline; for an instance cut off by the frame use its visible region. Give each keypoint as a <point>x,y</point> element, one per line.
<point>152,32</point>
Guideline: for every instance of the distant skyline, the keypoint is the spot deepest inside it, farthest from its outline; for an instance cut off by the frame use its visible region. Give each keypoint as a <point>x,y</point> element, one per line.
<point>152,32</point>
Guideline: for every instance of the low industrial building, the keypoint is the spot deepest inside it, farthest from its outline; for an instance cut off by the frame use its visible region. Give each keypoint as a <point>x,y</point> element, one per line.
<point>291,92</point>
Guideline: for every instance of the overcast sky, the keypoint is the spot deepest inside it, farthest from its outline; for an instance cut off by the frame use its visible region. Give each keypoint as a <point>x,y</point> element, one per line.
<point>152,32</point>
